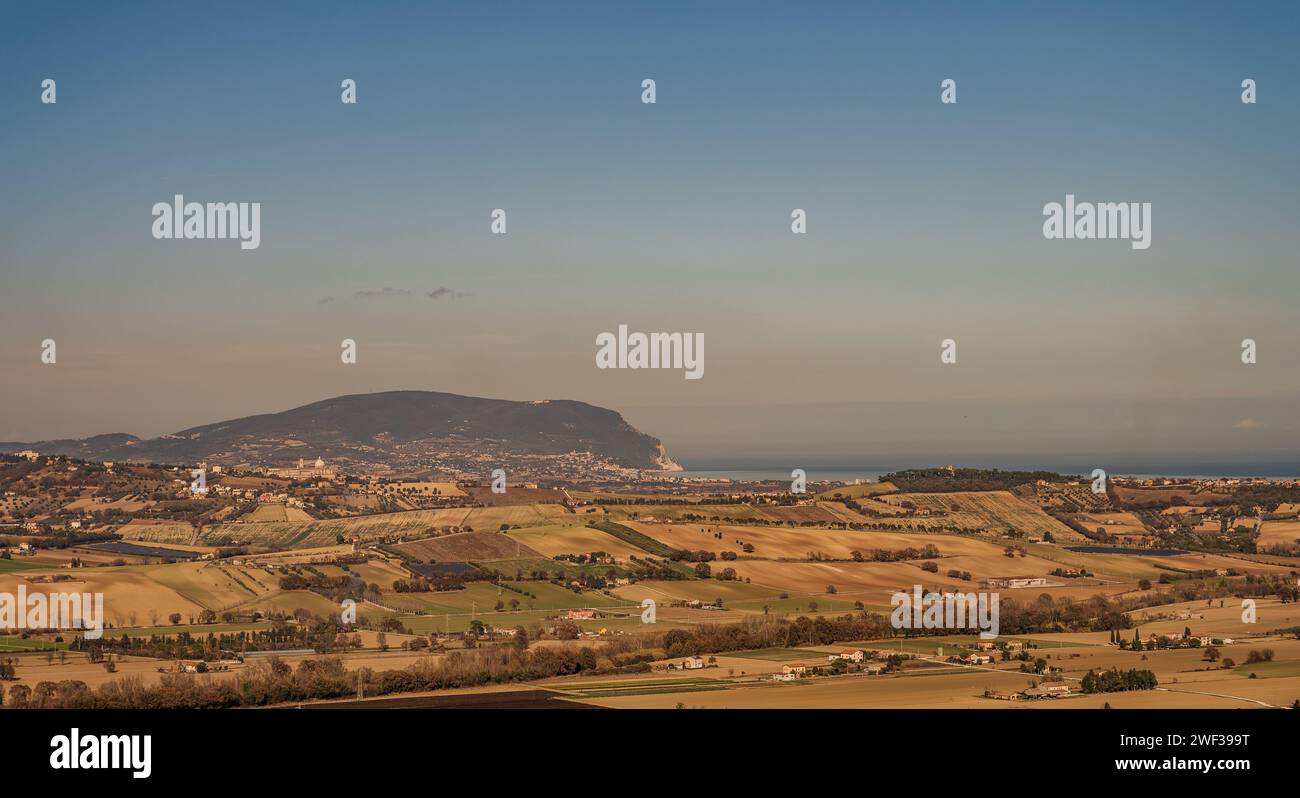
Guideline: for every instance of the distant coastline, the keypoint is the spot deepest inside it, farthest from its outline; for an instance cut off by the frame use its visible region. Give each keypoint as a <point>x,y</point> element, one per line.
<point>840,473</point>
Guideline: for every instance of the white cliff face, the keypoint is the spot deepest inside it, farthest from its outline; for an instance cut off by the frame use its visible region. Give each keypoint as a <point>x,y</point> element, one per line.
<point>665,462</point>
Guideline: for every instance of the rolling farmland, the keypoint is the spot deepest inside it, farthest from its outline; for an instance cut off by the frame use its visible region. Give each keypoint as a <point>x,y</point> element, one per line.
<point>466,547</point>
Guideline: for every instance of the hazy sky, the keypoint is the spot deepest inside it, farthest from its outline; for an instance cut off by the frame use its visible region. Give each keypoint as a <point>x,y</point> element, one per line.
<point>924,219</point>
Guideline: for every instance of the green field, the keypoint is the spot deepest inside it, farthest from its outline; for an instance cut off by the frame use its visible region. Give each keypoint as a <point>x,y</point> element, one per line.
<point>779,654</point>
<point>409,525</point>
<point>703,590</point>
<point>480,598</point>
<point>8,566</point>
<point>197,630</point>
<point>634,538</point>
<point>453,610</point>
<point>529,565</point>
<point>1269,670</point>
<point>316,604</point>
<point>638,687</point>
<point>795,604</point>
<point>14,643</point>
<point>858,491</point>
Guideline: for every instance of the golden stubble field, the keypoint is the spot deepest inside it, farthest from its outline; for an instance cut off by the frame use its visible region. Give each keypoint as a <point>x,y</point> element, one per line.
<point>1219,618</point>
<point>552,540</point>
<point>1186,681</point>
<point>1275,533</point>
<point>780,560</point>
<point>128,591</point>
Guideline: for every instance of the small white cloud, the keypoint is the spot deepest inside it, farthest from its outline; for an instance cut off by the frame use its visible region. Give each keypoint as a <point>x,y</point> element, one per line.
<point>1247,423</point>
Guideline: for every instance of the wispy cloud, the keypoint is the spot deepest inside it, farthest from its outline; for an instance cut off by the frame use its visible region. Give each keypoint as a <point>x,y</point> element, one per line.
<point>325,300</point>
<point>1247,423</point>
<point>443,291</point>
<point>383,293</point>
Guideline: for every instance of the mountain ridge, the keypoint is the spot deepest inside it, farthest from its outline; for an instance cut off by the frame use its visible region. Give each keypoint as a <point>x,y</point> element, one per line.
<point>383,427</point>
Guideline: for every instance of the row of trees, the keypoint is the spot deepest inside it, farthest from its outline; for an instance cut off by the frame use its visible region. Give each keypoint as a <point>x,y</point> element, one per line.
<point>273,681</point>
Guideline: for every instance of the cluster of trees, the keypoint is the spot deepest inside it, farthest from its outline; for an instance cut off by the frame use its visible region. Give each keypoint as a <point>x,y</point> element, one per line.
<point>769,632</point>
<point>1267,495</point>
<point>320,634</point>
<point>1117,681</point>
<point>1049,614</point>
<point>703,571</point>
<point>1255,657</point>
<point>927,552</point>
<point>1070,573</point>
<point>700,555</point>
<point>650,568</point>
<point>425,584</point>
<point>334,588</point>
<point>941,480</point>
<point>594,558</point>
<point>1159,642</point>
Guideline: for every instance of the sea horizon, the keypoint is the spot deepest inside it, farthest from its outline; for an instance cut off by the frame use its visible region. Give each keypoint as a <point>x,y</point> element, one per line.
<point>840,473</point>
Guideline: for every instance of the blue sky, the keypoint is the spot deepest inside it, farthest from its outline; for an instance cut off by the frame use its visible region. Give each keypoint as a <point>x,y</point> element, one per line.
<point>924,219</point>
